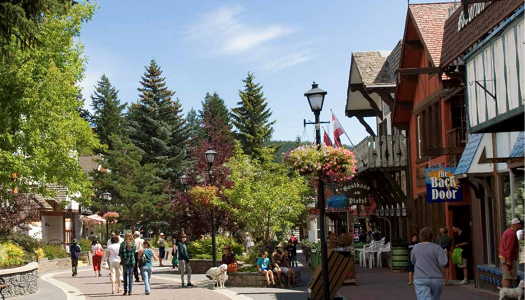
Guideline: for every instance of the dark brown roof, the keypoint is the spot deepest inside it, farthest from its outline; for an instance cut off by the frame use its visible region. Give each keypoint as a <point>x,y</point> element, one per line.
<point>42,202</point>
<point>455,42</point>
<point>60,192</point>
<point>430,21</point>
<point>394,59</point>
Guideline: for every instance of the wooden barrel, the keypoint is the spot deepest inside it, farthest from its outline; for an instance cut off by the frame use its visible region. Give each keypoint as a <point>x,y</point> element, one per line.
<point>400,258</point>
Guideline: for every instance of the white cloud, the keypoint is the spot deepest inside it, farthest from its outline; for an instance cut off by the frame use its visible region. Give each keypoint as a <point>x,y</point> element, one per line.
<point>225,32</point>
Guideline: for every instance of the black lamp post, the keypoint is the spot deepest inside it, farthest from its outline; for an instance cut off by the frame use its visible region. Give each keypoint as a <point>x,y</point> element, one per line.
<point>106,197</point>
<point>210,157</point>
<point>315,98</point>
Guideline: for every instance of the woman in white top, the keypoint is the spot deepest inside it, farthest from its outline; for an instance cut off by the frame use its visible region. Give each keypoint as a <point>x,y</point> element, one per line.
<point>114,264</point>
<point>96,252</point>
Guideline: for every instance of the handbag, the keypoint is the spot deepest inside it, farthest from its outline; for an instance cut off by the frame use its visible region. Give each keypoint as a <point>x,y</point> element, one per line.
<point>142,259</point>
<point>233,267</point>
<point>457,256</point>
<point>99,252</point>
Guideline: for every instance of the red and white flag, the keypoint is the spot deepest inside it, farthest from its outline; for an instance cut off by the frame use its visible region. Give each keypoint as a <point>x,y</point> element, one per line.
<point>338,131</point>
<point>327,140</point>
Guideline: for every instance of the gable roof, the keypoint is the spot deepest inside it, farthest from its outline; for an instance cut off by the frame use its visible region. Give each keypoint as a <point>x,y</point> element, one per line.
<point>430,22</point>
<point>394,59</point>
<point>371,67</point>
<point>88,163</point>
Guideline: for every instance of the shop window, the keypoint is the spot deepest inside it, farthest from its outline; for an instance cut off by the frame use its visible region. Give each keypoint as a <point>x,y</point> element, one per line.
<point>517,188</point>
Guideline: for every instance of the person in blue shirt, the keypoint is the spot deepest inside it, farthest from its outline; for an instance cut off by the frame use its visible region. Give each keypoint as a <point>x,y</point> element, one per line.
<point>74,250</point>
<point>147,269</point>
<point>263,264</point>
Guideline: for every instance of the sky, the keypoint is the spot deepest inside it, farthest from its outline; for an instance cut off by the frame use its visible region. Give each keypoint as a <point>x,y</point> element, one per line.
<point>210,46</point>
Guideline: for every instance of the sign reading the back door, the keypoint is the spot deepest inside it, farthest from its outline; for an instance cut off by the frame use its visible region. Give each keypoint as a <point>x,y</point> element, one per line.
<point>442,186</point>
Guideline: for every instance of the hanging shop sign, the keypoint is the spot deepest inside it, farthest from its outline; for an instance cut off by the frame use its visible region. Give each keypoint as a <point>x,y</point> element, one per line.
<point>337,201</point>
<point>356,192</point>
<point>442,185</point>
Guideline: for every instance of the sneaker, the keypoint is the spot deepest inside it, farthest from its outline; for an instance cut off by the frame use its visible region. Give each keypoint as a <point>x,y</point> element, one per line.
<point>464,281</point>
<point>190,284</point>
<point>183,285</point>
<point>410,283</point>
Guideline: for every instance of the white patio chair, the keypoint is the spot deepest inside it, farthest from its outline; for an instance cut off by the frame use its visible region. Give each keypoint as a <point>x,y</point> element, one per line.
<point>369,254</point>
<point>381,250</point>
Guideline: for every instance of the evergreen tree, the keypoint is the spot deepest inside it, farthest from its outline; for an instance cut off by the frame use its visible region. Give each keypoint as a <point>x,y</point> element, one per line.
<point>135,189</point>
<point>156,125</point>
<point>108,116</point>
<point>251,117</point>
<point>194,123</point>
<point>214,109</point>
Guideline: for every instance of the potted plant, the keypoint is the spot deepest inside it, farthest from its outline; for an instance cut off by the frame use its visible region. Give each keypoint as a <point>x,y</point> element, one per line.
<point>399,255</point>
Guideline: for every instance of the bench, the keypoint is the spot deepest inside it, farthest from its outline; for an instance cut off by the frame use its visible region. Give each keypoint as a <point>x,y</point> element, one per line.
<point>256,279</point>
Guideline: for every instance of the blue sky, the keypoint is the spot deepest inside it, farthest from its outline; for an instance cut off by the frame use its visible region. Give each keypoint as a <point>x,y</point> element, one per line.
<point>209,46</point>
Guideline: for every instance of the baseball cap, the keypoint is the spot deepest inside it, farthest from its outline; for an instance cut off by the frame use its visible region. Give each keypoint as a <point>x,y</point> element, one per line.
<point>74,241</point>
<point>516,221</point>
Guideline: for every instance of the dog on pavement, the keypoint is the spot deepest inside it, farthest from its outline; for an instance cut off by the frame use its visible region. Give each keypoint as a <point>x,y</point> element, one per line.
<point>516,293</point>
<point>217,275</point>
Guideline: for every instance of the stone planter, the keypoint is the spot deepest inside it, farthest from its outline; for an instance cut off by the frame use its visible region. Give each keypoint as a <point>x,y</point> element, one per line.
<point>20,281</point>
<point>45,265</point>
<point>256,279</point>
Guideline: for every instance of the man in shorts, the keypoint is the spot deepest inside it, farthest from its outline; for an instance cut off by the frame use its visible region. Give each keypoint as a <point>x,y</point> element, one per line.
<point>462,240</point>
<point>282,265</point>
<point>508,252</point>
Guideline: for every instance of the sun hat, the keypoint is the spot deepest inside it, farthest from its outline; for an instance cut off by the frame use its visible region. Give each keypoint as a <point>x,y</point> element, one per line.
<point>161,234</point>
<point>516,221</point>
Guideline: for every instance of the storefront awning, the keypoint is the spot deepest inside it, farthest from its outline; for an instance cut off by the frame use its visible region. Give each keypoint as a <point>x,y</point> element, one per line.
<point>518,150</point>
<point>95,218</point>
<point>467,157</point>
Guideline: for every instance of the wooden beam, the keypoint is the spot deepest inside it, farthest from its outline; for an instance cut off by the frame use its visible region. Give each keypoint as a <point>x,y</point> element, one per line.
<point>417,71</point>
<point>360,88</point>
<point>408,105</point>
<point>416,45</point>
<point>386,97</point>
<point>484,160</point>
<point>367,127</point>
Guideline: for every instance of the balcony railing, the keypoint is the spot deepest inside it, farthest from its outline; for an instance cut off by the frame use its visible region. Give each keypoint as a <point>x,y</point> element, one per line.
<point>386,151</point>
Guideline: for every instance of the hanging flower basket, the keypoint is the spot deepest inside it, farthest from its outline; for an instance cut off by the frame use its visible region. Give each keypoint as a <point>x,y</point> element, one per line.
<point>304,159</point>
<point>111,216</point>
<point>205,195</point>
<point>336,165</point>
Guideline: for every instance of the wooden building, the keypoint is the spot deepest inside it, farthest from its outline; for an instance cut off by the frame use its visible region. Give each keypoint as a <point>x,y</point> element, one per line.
<point>485,50</point>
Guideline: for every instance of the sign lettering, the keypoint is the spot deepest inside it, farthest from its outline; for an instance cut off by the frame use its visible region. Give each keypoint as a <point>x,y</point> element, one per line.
<point>442,186</point>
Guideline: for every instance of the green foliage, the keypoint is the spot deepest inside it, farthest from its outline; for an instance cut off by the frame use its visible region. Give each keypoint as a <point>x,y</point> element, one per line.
<point>11,255</point>
<point>266,196</point>
<point>135,189</point>
<point>156,126</point>
<point>40,126</point>
<point>202,249</point>
<point>108,116</point>
<point>193,123</point>
<point>254,253</point>
<point>85,244</point>
<point>54,251</point>
<point>282,147</point>
<point>215,110</point>
<point>249,269</point>
<point>251,117</point>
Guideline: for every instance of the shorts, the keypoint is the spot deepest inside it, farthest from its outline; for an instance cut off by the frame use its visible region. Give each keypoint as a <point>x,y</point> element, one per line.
<point>162,252</point>
<point>511,274</point>
<point>283,270</point>
<point>463,263</point>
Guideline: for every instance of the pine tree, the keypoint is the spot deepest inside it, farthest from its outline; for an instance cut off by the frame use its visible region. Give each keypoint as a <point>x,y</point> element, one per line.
<point>108,116</point>
<point>156,125</point>
<point>193,122</point>
<point>251,117</point>
<point>214,109</point>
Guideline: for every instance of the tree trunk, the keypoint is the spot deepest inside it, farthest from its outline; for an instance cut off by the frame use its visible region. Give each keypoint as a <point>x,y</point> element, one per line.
<point>133,224</point>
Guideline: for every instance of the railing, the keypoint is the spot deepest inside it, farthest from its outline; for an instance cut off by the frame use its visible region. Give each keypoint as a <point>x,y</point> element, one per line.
<point>457,137</point>
<point>381,152</point>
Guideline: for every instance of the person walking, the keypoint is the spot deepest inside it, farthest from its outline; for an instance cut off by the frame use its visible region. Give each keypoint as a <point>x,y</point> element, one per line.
<point>127,260</point>
<point>294,242</point>
<point>162,248</point>
<point>184,260</point>
<point>97,254</point>
<point>462,241</point>
<point>112,252</point>
<point>147,268</point>
<point>174,254</point>
<point>413,242</point>
<point>74,250</point>
<point>139,245</point>
<point>508,252</point>
<point>428,258</point>
<point>445,242</point>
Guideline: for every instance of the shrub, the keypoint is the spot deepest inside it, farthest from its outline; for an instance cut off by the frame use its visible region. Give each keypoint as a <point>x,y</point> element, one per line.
<point>11,255</point>
<point>248,269</point>
<point>54,251</point>
<point>85,244</point>
<point>202,249</point>
<point>40,253</point>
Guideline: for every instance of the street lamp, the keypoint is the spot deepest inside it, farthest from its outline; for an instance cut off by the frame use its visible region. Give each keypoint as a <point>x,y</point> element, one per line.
<point>210,157</point>
<point>315,98</point>
<point>106,197</point>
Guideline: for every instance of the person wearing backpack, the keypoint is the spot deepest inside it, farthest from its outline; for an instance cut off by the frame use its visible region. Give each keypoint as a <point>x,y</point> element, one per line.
<point>146,255</point>
<point>74,250</point>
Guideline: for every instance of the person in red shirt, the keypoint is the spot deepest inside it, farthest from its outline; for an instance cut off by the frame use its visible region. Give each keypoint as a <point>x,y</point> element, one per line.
<point>508,252</point>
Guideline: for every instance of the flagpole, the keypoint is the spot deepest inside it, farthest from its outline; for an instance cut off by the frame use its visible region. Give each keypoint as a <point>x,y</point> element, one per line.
<point>355,150</point>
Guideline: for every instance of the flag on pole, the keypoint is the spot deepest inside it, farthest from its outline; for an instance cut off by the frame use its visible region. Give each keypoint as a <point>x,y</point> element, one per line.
<point>327,140</point>
<point>338,131</point>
